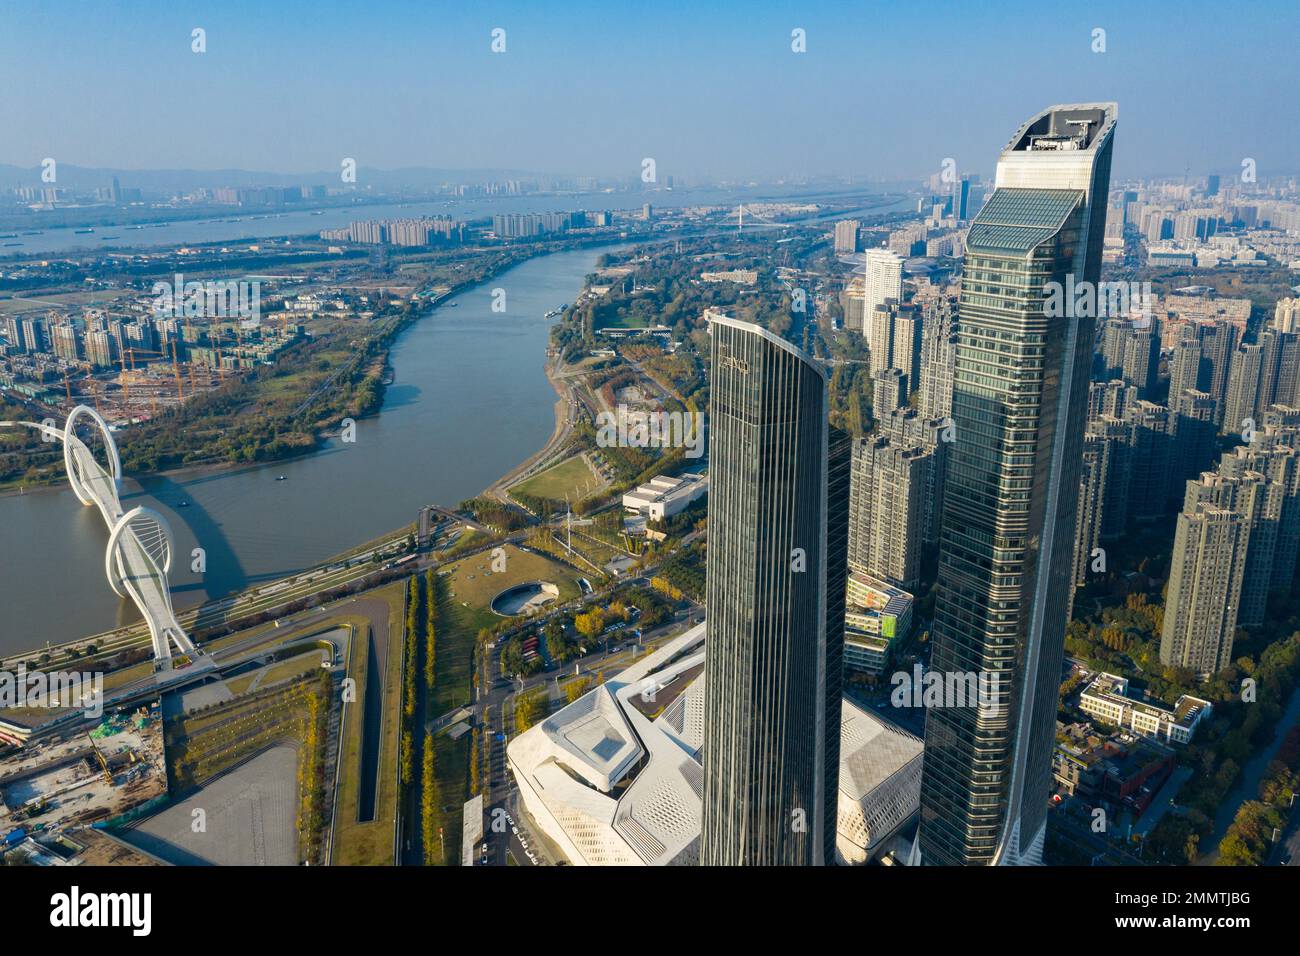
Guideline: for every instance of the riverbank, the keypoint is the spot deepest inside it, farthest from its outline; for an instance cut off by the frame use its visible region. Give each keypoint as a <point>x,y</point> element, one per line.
<point>365,360</point>
<point>556,443</point>
<point>470,392</point>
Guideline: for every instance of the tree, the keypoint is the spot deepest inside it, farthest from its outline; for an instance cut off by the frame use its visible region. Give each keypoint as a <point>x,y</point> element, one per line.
<point>576,688</point>
<point>408,757</point>
<point>430,635</point>
<point>475,783</point>
<point>591,624</point>
<point>430,805</point>
<point>530,707</point>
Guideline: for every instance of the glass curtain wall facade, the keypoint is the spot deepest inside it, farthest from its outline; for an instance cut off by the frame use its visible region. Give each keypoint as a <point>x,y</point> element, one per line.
<point>1019,408</point>
<point>777,565</point>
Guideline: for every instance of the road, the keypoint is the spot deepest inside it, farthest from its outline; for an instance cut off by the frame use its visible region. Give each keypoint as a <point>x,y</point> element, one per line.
<point>1287,850</point>
<point>1252,773</point>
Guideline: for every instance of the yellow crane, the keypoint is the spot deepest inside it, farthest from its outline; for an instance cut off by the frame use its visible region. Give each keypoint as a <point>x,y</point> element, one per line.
<point>108,774</point>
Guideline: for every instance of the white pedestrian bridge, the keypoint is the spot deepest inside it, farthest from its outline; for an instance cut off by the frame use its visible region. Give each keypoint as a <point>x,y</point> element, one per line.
<point>140,547</point>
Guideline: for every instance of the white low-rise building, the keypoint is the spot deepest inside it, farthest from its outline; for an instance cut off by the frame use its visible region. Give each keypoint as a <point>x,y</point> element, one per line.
<point>615,778</point>
<point>1106,698</point>
<point>662,497</point>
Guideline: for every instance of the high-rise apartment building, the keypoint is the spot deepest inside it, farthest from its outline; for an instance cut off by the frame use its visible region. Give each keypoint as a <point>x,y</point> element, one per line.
<point>1205,576</point>
<point>65,342</point>
<point>1185,367</point>
<point>1243,389</point>
<point>1192,445</point>
<point>1094,476</point>
<point>777,571</point>
<point>888,392</point>
<point>938,356</point>
<point>1113,434</point>
<point>101,347</point>
<point>34,334</point>
<point>1020,394</point>
<point>846,236</point>
<point>887,509</point>
<point>1279,374</point>
<point>905,346</point>
<point>1110,399</point>
<point>1224,567</point>
<point>1149,440</point>
<point>1139,358</point>
<point>895,341</point>
<point>906,429</point>
<point>1202,359</point>
<point>1286,315</point>
<point>882,281</point>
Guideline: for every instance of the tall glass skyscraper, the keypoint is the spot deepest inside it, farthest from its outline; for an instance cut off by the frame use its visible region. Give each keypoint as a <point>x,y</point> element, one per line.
<point>1020,392</point>
<point>777,564</point>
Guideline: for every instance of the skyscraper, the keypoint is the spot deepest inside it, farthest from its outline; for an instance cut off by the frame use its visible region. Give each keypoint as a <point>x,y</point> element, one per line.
<point>846,235</point>
<point>1243,388</point>
<point>1150,442</point>
<point>938,346</point>
<point>777,570</point>
<point>888,392</point>
<point>1279,375</point>
<point>895,341</point>
<point>887,509</point>
<point>882,280</point>
<point>960,197</point>
<point>1020,392</point>
<point>1205,577</point>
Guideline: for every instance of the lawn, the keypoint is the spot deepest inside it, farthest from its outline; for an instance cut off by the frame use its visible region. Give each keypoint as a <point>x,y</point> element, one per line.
<point>572,477</point>
<point>458,628</point>
<point>371,843</point>
<point>452,762</point>
<point>299,664</point>
<point>473,582</point>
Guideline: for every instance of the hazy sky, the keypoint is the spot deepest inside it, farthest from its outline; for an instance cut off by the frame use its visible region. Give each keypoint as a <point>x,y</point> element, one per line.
<point>885,89</point>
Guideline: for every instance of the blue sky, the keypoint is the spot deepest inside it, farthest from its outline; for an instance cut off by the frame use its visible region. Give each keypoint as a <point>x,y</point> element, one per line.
<point>884,89</point>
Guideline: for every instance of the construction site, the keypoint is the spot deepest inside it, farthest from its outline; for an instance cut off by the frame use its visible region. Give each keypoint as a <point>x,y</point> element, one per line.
<point>146,384</point>
<point>84,777</point>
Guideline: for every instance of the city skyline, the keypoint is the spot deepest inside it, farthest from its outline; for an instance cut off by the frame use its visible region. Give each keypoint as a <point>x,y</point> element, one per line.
<point>770,435</point>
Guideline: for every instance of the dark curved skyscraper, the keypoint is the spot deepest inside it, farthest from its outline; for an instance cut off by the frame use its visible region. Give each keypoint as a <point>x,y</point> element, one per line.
<point>1020,394</point>
<point>777,560</point>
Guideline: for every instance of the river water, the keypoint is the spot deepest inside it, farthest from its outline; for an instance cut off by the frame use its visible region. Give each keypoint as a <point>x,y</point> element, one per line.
<point>263,225</point>
<point>469,402</point>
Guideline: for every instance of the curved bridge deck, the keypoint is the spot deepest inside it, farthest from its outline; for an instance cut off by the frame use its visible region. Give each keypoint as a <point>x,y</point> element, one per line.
<point>140,543</point>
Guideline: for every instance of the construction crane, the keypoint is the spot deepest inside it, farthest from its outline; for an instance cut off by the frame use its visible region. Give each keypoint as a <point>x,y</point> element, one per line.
<point>176,369</point>
<point>99,756</point>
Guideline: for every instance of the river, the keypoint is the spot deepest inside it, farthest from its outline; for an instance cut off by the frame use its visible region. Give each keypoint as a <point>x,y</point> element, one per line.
<point>242,225</point>
<point>470,400</point>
